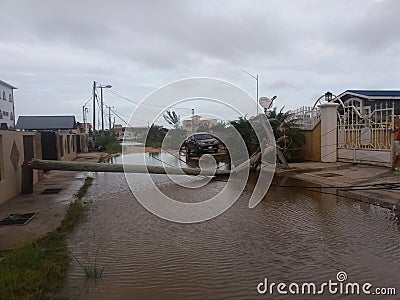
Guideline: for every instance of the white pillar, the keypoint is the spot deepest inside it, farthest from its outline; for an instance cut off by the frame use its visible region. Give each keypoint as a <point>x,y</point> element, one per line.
<point>328,132</point>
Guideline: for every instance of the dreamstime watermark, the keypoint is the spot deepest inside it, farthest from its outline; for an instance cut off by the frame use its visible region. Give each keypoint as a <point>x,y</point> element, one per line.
<point>222,101</point>
<point>340,286</point>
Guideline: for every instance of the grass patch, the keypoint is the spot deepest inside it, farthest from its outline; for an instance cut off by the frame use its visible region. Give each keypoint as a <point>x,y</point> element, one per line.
<point>113,147</point>
<point>91,269</point>
<point>84,188</point>
<point>36,270</point>
<point>110,143</point>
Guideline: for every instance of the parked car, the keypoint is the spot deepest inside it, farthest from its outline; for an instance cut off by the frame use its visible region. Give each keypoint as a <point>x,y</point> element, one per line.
<point>201,142</point>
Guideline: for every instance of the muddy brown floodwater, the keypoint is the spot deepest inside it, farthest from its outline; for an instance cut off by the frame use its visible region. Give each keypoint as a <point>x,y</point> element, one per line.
<point>293,235</point>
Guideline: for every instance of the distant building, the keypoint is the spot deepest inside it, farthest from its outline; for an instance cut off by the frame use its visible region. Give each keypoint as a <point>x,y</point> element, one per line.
<point>138,132</point>
<point>7,107</point>
<point>118,130</point>
<point>84,127</point>
<point>135,133</point>
<point>205,124</point>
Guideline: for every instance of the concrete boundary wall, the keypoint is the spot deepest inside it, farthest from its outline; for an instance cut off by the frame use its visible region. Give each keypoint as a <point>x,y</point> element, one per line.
<point>311,149</point>
<point>66,145</point>
<point>11,158</point>
<point>12,155</point>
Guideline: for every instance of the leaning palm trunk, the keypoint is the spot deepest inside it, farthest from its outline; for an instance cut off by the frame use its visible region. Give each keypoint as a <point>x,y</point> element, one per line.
<point>279,152</point>
<point>281,157</point>
<point>255,162</point>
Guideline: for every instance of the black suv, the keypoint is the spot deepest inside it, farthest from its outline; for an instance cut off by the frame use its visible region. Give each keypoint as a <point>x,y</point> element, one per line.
<point>201,142</point>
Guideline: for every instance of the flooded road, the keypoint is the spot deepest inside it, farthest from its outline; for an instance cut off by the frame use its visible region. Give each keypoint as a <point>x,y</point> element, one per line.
<point>293,235</point>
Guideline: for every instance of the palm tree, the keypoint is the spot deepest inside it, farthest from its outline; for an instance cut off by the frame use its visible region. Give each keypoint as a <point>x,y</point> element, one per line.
<point>287,132</point>
<point>172,118</point>
<point>243,126</point>
<point>288,136</point>
<point>155,136</point>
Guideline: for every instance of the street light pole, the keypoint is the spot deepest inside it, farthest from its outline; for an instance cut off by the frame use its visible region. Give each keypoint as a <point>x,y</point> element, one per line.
<point>84,111</point>
<point>256,79</point>
<point>257,96</point>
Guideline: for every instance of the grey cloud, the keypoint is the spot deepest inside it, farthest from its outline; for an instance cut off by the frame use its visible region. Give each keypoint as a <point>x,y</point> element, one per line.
<point>284,84</point>
<point>372,29</point>
<point>299,48</point>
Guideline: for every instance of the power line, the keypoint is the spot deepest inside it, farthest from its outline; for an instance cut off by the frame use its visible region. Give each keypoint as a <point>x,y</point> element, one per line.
<point>123,120</point>
<point>120,118</point>
<point>122,97</point>
<point>137,102</point>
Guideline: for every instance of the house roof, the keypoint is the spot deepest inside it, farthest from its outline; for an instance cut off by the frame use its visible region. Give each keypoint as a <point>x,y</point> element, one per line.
<point>7,84</point>
<point>375,93</point>
<point>46,122</point>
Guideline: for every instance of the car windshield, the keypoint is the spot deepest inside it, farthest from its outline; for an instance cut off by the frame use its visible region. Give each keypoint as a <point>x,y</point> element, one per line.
<point>203,137</point>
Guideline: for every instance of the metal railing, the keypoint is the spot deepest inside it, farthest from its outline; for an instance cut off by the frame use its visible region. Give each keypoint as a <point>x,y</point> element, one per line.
<point>307,117</point>
<point>365,127</point>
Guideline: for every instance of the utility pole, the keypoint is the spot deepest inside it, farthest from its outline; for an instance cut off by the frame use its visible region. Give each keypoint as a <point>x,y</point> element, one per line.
<point>94,106</point>
<point>108,86</point>
<point>84,119</point>
<point>109,116</point>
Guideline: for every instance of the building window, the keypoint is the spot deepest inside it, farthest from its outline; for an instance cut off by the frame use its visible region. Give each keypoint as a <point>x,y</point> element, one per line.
<point>10,98</point>
<point>11,116</point>
<point>353,102</point>
<point>5,113</point>
<point>1,114</point>
<point>4,95</point>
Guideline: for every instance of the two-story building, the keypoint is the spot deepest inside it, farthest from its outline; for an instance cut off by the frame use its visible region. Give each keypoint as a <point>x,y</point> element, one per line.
<point>7,107</point>
<point>197,122</point>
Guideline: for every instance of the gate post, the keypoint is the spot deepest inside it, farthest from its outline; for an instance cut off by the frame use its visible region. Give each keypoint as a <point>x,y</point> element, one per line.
<point>328,132</point>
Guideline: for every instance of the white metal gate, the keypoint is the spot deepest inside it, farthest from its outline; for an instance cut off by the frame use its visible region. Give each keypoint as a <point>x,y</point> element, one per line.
<point>364,132</point>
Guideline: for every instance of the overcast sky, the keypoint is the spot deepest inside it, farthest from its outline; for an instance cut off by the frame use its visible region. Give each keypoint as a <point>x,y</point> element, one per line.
<point>52,51</point>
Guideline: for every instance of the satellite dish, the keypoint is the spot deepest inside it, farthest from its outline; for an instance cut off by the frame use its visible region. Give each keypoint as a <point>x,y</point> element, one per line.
<point>266,102</point>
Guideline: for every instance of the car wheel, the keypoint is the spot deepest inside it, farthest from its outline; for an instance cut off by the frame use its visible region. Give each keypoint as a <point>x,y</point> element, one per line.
<point>187,151</point>
<point>197,151</point>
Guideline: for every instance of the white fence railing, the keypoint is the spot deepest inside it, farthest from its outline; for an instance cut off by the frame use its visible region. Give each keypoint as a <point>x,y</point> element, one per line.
<point>365,132</point>
<point>365,127</point>
<point>307,117</point>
